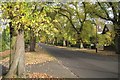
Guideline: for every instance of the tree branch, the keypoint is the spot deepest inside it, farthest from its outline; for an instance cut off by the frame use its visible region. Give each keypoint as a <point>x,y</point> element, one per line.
<point>84,18</point>
<point>84,12</point>
<point>119,12</point>
<point>104,10</point>
<point>102,17</point>
<point>77,13</point>
<point>114,11</point>
<point>70,21</point>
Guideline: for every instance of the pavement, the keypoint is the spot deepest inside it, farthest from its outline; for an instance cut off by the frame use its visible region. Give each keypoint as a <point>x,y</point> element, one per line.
<point>52,68</point>
<point>77,64</point>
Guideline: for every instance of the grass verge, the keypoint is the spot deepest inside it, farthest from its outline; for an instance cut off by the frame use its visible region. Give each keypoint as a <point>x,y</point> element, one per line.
<point>89,51</point>
<point>39,56</point>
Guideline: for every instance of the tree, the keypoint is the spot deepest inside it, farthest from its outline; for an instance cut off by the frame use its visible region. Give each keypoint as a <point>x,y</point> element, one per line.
<point>70,23</point>
<point>76,14</point>
<point>21,17</point>
<point>5,39</point>
<point>15,13</point>
<point>109,11</point>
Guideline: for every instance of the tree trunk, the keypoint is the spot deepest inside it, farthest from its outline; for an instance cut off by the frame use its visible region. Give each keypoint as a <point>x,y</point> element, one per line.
<point>11,44</point>
<point>32,44</point>
<point>117,42</point>
<point>81,44</point>
<point>64,42</point>
<point>55,41</point>
<point>79,41</point>
<point>117,37</point>
<point>12,50</point>
<point>32,41</point>
<point>18,64</point>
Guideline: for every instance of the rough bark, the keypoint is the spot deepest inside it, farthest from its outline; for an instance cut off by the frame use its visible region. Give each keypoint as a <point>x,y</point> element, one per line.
<point>18,62</point>
<point>12,50</point>
<point>21,65</point>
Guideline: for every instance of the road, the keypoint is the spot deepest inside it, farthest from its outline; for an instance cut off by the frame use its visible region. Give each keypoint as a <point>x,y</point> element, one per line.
<point>84,65</point>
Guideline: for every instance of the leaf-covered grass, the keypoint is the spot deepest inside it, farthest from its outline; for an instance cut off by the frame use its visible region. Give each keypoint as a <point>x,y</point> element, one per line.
<point>38,75</point>
<point>4,54</point>
<point>90,51</point>
<point>39,56</point>
<point>2,58</point>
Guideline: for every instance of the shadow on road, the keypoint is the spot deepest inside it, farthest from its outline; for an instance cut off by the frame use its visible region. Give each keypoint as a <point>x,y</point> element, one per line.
<point>75,54</point>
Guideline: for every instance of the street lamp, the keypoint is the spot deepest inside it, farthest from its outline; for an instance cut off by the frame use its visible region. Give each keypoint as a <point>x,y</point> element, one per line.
<point>93,20</point>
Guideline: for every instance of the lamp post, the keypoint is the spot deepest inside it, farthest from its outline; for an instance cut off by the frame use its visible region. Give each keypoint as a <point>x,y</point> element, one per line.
<point>96,35</point>
<point>96,40</point>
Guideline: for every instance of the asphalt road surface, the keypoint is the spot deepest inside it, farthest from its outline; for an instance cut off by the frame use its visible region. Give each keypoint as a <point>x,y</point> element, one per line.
<point>84,65</point>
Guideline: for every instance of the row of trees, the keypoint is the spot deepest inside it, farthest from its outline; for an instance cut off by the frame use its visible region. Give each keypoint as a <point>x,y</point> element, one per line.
<point>77,28</point>
<point>68,23</point>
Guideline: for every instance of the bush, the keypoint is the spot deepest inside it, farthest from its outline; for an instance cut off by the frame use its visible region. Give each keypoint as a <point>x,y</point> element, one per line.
<point>5,40</point>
